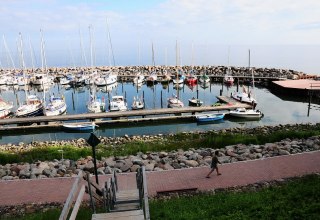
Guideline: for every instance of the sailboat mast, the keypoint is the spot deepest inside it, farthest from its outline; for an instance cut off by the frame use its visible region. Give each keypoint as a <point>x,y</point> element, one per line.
<point>110,42</point>
<point>91,48</point>
<point>31,53</point>
<point>44,64</point>
<point>23,64</point>
<point>83,54</point>
<point>8,52</point>
<point>153,61</point>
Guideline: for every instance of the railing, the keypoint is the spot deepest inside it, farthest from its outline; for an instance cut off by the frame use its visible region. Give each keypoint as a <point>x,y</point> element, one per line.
<point>143,191</point>
<point>71,197</point>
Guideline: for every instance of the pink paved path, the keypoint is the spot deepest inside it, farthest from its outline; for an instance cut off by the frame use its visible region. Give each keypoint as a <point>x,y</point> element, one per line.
<point>233,174</point>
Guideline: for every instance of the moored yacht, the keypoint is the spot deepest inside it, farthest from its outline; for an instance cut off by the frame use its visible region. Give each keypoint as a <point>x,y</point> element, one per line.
<point>118,103</point>
<point>56,106</point>
<point>32,107</point>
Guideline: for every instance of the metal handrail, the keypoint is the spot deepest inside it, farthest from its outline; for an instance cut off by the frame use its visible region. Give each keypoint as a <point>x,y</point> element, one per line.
<point>143,191</point>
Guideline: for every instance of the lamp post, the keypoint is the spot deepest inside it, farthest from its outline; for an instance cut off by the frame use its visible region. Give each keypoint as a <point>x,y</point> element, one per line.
<point>93,141</point>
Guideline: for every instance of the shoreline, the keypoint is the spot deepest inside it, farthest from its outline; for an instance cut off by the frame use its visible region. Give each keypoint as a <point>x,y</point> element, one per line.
<point>157,161</point>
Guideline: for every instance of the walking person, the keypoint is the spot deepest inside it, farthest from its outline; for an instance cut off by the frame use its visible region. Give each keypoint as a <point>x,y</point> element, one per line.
<point>214,164</point>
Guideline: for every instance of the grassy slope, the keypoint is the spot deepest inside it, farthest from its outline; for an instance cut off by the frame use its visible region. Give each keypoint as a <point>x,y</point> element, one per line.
<point>296,200</point>
<point>178,141</point>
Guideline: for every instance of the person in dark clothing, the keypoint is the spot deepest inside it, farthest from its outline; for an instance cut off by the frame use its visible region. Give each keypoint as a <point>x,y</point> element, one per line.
<point>214,164</point>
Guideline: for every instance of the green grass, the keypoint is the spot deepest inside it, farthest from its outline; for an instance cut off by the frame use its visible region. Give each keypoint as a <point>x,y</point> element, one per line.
<point>299,199</point>
<point>178,141</point>
<point>83,214</point>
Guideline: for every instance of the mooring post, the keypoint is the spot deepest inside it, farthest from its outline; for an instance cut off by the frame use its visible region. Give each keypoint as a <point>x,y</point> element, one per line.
<point>309,105</point>
<point>161,100</point>
<point>109,100</point>
<point>73,102</point>
<point>17,99</point>
<point>238,84</point>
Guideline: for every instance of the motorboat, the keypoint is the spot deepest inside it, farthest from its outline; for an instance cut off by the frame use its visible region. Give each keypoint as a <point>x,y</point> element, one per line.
<point>246,113</point>
<point>195,102</point>
<point>84,126</point>
<point>209,117</point>
<point>56,106</point>
<point>118,103</point>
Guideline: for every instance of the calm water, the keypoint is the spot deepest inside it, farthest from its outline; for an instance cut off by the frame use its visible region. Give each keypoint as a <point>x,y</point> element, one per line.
<point>276,110</point>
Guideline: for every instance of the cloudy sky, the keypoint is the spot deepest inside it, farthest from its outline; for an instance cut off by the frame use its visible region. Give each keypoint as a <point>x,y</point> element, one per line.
<point>283,34</point>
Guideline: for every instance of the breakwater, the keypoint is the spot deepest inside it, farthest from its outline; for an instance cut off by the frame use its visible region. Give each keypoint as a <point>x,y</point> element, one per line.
<point>156,161</point>
<point>127,72</point>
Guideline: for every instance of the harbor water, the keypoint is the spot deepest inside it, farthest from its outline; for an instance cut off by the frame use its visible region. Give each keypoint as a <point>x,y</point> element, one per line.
<point>276,110</point>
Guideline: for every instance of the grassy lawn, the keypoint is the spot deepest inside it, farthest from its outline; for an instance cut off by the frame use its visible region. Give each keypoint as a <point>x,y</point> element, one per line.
<point>299,199</point>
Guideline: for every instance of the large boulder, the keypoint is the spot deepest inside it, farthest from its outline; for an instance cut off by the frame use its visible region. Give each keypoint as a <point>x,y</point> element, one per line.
<point>191,163</point>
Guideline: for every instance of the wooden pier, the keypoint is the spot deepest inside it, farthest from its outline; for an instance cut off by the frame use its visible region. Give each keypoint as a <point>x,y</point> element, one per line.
<point>41,122</point>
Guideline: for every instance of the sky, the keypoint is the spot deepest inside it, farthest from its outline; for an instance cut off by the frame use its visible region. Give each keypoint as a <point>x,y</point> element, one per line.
<point>280,34</point>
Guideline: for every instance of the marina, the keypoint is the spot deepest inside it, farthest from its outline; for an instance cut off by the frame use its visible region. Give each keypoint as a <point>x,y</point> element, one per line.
<point>155,118</point>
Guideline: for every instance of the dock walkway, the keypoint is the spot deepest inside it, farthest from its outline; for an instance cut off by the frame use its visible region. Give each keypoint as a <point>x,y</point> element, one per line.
<point>16,192</point>
<point>117,117</point>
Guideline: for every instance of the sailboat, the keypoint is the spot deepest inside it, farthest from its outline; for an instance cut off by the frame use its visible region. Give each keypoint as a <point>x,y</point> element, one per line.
<point>95,104</point>
<point>228,79</point>
<point>5,108</point>
<point>246,96</point>
<point>139,78</point>
<point>137,103</point>
<point>56,106</point>
<point>33,106</point>
<point>174,101</point>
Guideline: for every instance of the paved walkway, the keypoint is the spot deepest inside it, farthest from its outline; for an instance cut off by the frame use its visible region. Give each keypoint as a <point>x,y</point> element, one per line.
<point>234,174</point>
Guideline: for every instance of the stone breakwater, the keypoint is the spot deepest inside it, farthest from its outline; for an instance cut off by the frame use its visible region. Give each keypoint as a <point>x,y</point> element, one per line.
<point>157,161</point>
<point>160,70</point>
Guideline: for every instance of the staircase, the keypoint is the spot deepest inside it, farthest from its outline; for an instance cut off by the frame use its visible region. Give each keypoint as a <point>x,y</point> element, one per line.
<point>117,204</point>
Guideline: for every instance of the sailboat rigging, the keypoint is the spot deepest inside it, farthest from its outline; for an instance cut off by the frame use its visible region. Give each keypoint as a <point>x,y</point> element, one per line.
<point>246,96</point>
<point>33,106</point>
<point>174,101</point>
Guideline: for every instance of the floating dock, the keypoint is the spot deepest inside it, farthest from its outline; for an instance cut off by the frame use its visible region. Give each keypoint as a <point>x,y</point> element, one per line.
<point>298,87</point>
<point>41,122</point>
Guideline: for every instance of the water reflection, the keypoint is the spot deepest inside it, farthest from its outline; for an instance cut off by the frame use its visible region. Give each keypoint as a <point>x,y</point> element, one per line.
<point>276,109</point>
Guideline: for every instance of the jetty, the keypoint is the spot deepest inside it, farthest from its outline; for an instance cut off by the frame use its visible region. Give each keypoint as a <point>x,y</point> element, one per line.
<point>302,86</point>
<point>11,124</point>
